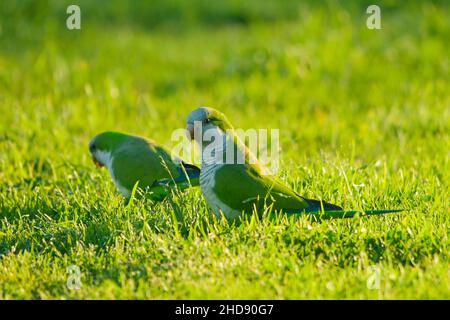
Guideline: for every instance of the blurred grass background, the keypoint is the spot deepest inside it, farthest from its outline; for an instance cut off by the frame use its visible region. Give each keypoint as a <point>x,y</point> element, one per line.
<point>363,118</point>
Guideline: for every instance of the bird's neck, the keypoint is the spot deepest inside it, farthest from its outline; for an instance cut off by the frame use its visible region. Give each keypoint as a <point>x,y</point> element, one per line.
<point>213,146</point>
<point>226,148</point>
<point>105,157</point>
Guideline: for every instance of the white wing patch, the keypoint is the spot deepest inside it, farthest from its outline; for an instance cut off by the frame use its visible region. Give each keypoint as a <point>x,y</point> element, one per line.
<point>283,195</point>
<point>249,199</point>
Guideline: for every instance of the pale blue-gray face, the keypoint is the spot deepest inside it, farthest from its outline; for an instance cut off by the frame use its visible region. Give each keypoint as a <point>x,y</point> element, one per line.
<point>199,115</point>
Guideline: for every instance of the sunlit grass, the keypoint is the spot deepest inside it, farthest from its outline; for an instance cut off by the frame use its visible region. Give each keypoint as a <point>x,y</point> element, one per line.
<point>364,123</point>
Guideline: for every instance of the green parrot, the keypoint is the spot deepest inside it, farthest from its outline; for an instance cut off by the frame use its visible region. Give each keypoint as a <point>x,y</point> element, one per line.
<point>134,160</point>
<point>236,187</point>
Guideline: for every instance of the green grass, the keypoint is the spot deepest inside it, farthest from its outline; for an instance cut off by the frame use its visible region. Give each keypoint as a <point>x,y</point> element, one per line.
<point>364,123</point>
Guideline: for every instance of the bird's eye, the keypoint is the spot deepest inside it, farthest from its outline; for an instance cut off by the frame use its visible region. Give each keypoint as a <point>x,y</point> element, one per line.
<point>92,147</point>
<point>207,120</point>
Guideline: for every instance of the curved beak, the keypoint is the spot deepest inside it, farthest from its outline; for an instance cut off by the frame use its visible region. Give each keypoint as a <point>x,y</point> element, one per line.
<point>190,131</point>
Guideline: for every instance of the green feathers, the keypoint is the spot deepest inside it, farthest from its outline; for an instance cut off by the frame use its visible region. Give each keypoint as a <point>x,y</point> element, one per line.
<point>139,165</point>
<point>132,159</point>
<point>233,188</point>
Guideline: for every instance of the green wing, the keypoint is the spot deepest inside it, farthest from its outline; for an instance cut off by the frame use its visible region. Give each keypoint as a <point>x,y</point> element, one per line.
<point>242,187</point>
<point>145,162</point>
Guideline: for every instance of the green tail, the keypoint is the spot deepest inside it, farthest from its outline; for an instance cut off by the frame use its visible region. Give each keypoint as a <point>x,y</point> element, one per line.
<point>333,214</point>
<point>324,210</point>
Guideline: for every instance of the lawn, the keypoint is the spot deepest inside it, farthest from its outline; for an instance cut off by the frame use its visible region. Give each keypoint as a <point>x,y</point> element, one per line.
<point>364,120</point>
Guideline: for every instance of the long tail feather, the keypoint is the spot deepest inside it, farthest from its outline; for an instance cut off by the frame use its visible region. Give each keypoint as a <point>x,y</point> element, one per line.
<point>324,210</point>
<point>332,214</point>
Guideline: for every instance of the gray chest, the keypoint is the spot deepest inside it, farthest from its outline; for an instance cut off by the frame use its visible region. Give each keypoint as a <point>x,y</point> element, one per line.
<point>207,182</point>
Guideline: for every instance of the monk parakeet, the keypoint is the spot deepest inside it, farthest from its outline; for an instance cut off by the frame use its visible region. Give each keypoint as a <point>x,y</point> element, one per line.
<point>233,188</point>
<point>131,159</point>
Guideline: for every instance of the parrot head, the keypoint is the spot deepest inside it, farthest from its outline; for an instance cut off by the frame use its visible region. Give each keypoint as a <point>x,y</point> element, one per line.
<point>102,146</point>
<point>209,118</point>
